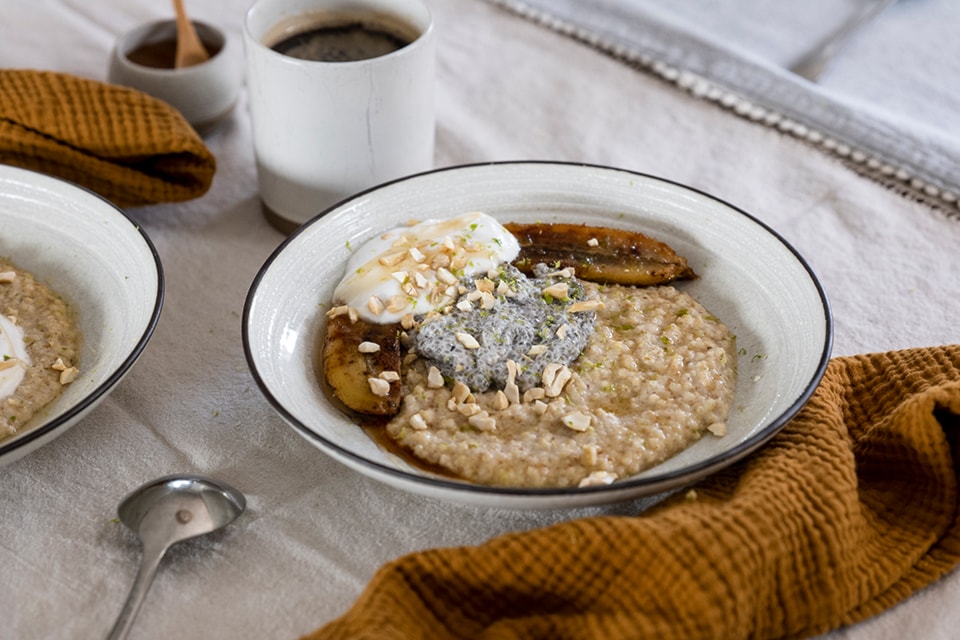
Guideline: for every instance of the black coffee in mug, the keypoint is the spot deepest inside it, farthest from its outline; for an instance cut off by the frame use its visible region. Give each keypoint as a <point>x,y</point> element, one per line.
<point>345,41</point>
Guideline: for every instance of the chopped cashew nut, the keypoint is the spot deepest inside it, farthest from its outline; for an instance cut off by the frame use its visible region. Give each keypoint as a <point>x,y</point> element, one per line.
<point>554,377</point>
<point>375,305</point>
<point>510,389</point>
<point>577,421</point>
<point>585,305</point>
<point>368,347</point>
<point>718,429</point>
<point>559,290</point>
<point>598,479</point>
<point>482,422</point>
<point>434,378</point>
<point>379,387</point>
<point>467,340</point>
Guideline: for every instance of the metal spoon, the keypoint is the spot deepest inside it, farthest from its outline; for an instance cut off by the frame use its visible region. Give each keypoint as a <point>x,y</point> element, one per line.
<point>190,50</point>
<point>164,512</point>
<point>815,62</point>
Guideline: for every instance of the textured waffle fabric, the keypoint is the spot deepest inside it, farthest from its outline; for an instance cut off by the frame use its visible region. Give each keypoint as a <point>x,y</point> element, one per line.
<point>849,510</point>
<point>125,145</point>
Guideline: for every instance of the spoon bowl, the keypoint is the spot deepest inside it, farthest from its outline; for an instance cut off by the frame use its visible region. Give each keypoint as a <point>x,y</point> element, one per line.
<point>164,512</point>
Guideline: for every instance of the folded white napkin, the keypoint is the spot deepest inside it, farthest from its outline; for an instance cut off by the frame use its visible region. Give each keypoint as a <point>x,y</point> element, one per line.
<point>888,102</point>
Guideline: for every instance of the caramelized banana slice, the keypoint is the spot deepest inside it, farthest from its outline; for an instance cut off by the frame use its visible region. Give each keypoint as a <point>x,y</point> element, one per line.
<point>361,362</point>
<point>599,254</point>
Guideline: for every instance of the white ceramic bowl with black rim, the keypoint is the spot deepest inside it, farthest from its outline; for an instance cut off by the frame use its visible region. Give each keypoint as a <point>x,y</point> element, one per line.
<point>750,278</point>
<point>104,266</point>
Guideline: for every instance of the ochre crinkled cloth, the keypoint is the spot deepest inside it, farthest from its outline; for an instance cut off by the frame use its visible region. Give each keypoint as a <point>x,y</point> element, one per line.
<point>123,144</point>
<point>847,511</point>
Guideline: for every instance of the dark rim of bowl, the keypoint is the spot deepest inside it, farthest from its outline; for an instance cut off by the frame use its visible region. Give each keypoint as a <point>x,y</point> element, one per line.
<point>104,387</point>
<point>630,487</point>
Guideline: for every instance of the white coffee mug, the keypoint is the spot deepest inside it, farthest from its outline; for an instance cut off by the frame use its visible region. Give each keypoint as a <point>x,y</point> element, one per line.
<point>323,131</point>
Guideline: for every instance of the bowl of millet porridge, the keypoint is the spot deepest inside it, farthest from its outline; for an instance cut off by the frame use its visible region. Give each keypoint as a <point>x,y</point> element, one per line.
<point>81,288</point>
<point>672,382</point>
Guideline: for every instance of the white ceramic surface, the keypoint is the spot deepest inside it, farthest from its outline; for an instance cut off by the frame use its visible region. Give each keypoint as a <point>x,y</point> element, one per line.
<point>325,130</point>
<point>205,94</point>
<point>749,278</point>
<point>102,264</point>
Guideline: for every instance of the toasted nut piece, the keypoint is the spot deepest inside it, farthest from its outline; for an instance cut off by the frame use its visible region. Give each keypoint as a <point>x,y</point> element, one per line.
<point>562,331</point>
<point>554,377</point>
<point>559,291</point>
<point>540,407</point>
<point>500,401</point>
<point>534,393</point>
<point>59,365</point>
<point>368,347</point>
<point>69,375</point>
<point>510,388</point>
<point>577,421</point>
<point>718,429</point>
<point>445,276</point>
<point>434,378</point>
<point>390,376</point>
<point>417,422</point>
<point>397,303</point>
<point>440,261</point>
<point>460,391</point>
<point>379,387</point>
<point>483,422</point>
<point>467,340</point>
<point>392,259</point>
<point>469,409</point>
<point>537,349</point>
<point>375,305</point>
<point>339,310</point>
<point>598,479</point>
<point>485,285</point>
<point>585,305</point>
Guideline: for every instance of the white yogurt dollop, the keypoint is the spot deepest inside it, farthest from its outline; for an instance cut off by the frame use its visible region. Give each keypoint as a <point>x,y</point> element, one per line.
<point>14,358</point>
<point>413,270</point>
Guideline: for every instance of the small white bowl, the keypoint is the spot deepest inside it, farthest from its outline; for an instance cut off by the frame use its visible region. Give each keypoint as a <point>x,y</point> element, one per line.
<point>750,278</point>
<point>103,265</point>
<point>204,93</point>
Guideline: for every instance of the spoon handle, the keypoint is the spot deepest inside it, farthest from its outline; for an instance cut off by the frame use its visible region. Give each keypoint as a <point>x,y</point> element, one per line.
<point>149,562</point>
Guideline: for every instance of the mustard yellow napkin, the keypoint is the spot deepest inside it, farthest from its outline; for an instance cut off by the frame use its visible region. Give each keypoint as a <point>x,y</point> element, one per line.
<point>123,144</point>
<point>849,510</point>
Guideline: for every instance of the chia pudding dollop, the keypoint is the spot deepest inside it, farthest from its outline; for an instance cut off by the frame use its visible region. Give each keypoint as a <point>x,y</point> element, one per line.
<point>526,320</point>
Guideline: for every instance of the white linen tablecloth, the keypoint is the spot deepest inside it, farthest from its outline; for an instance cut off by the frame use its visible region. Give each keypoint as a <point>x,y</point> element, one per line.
<point>314,531</point>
